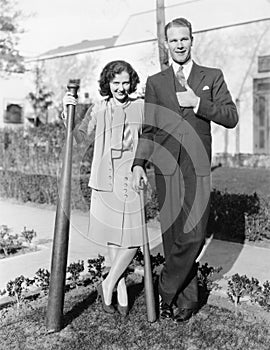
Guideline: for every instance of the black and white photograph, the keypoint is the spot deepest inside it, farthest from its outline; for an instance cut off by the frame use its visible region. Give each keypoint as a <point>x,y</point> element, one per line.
<point>135,175</point>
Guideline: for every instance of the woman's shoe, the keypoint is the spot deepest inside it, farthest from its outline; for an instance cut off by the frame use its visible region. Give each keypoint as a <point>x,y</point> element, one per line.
<point>123,310</point>
<point>107,308</point>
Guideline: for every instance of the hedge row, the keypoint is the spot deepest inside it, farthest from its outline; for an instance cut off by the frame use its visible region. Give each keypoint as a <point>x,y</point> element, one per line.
<point>238,216</point>
<point>42,189</point>
<point>233,216</point>
<point>39,150</point>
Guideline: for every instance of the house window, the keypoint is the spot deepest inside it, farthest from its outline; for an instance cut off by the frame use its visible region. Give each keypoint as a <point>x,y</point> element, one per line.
<point>13,114</point>
<point>261,120</point>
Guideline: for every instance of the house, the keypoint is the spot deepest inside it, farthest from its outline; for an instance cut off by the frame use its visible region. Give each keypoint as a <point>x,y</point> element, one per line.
<point>233,35</point>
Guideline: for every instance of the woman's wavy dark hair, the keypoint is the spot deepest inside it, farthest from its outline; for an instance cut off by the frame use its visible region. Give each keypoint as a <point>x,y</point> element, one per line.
<point>110,71</point>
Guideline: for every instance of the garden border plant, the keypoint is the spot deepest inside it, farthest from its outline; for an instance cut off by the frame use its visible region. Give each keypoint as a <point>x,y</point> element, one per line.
<point>242,286</point>
<point>238,286</point>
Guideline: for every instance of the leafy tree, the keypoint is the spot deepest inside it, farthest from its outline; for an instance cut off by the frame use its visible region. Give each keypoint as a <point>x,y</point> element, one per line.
<point>41,99</point>
<point>10,59</point>
<point>60,71</point>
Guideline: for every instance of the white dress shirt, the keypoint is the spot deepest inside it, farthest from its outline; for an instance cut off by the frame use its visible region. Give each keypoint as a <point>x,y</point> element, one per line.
<point>186,71</point>
<point>186,68</point>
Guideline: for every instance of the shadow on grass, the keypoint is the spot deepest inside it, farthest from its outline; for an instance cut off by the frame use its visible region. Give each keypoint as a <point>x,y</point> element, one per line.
<point>79,308</point>
<point>203,297</point>
<point>134,291</point>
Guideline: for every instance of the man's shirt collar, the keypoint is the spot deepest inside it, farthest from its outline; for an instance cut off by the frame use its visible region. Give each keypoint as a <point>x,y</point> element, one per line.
<point>186,68</point>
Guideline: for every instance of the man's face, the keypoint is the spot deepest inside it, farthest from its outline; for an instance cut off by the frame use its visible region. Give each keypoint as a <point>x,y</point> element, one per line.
<point>179,44</point>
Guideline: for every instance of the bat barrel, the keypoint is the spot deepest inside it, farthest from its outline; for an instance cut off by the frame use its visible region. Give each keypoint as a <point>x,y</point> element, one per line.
<point>61,230</point>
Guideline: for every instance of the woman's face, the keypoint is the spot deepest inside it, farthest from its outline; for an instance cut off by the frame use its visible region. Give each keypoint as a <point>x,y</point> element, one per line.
<point>120,86</point>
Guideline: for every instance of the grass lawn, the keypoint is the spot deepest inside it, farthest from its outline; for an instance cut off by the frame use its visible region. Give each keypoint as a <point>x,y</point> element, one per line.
<point>242,180</point>
<point>88,327</point>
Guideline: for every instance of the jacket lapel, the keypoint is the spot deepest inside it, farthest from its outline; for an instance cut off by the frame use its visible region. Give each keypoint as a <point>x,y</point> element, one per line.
<point>196,77</point>
<point>169,84</point>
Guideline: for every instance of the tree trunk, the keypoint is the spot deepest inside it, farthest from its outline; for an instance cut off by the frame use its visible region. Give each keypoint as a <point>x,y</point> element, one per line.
<point>163,53</point>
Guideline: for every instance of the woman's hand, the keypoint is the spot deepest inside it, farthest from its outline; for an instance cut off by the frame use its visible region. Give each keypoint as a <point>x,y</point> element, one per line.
<point>68,99</point>
<point>139,178</point>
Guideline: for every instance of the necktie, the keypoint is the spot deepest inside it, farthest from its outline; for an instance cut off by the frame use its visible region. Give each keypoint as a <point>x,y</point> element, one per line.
<point>180,76</point>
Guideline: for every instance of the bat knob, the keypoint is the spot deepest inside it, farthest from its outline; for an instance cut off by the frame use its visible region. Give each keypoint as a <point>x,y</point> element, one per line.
<point>73,87</point>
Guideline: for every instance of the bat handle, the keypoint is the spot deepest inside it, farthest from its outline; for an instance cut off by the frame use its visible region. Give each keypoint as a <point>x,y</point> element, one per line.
<point>148,278</point>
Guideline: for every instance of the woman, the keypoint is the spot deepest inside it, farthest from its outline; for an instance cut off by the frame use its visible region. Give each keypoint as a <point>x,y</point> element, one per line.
<point>115,213</point>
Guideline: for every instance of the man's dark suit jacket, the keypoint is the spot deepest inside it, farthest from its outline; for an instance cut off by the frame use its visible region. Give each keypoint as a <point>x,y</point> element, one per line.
<point>169,127</point>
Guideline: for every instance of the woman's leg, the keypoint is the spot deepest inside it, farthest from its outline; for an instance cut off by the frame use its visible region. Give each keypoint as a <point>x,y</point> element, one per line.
<point>121,258</point>
<point>121,285</point>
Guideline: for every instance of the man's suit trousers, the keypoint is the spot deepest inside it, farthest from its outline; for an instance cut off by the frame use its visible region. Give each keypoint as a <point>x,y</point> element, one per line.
<point>184,200</point>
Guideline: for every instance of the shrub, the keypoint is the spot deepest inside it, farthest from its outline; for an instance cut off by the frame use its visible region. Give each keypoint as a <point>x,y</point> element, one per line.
<point>75,269</point>
<point>233,216</point>
<point>228,212</point>
<point>43,189</point>
<point>8,243</point>
<point>28,187</point>
<point>28,235</point>
<point>17,288</point>
<point>257,226</point>
<point>42,280</point>
<point>237,288</point>
<point>253,289</point>
<point>138,260</point>
<point>240,286</point>
<point>264,298</point>
<point>96,267</point>
<point>205,277</point>
<point>39,150</point>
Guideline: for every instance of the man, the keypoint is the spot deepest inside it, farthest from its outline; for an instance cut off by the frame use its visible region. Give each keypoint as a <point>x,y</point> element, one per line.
<point>180,103</point>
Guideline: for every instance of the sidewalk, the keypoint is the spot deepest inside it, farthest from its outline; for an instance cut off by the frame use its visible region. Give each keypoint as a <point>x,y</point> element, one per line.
<point>232,257</point>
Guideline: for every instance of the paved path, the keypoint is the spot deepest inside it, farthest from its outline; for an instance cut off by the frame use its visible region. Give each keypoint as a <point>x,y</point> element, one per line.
<point>233,257</point>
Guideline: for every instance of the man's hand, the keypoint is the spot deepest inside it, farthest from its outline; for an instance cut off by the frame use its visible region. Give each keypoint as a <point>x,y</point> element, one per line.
<point>138,178</point>
<point>187,98</point>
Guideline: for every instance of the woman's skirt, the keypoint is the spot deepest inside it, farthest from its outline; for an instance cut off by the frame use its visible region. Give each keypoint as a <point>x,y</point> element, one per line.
<point>115,217</point>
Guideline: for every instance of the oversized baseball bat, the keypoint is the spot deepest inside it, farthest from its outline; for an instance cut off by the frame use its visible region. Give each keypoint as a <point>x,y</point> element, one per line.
<point>61,229</point>
<point>148,278</point>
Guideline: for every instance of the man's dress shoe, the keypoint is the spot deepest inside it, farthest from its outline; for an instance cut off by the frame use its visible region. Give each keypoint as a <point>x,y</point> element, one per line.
<point>183,315</point>
<point>165,310</point>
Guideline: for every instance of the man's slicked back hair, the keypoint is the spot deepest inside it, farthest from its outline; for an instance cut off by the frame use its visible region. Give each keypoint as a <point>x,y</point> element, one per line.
<point>178,22</point>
